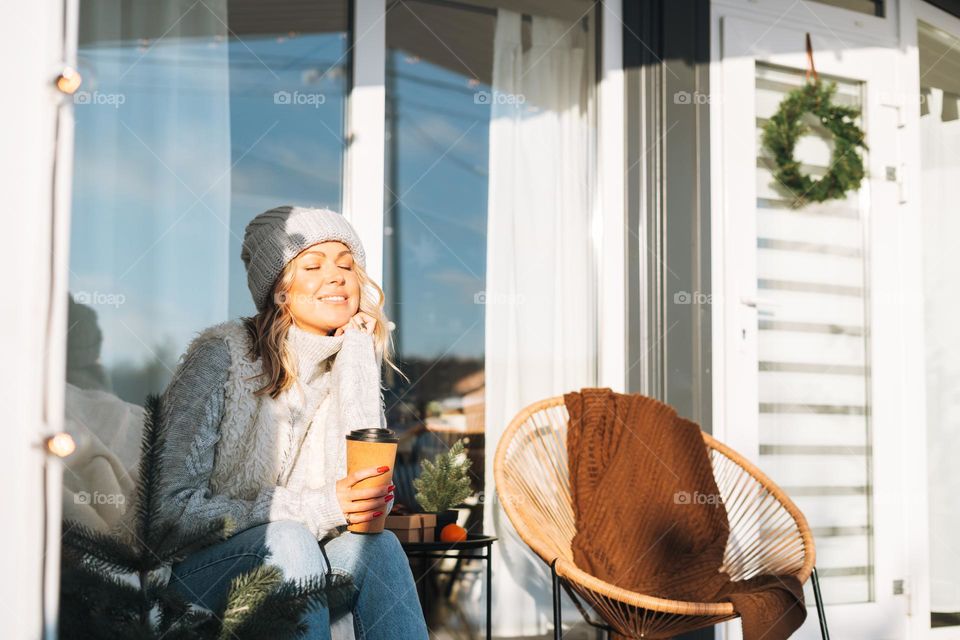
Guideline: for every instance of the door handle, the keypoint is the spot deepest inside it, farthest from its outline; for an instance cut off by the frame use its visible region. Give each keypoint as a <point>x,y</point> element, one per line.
<point>755,303</point>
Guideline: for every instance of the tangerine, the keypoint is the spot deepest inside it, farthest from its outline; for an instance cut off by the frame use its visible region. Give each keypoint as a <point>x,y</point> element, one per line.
<point>453,533</point>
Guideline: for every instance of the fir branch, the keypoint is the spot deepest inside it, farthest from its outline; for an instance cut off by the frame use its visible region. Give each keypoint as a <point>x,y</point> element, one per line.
<point>171,605</point>
<point>107,551</point>
<point>193,625</point>
<point>90,598</point>
<point>247,593</point>
<point>260,605</point>
<point>180,542</point>
<point>114,589</point>
<point>152,443</point>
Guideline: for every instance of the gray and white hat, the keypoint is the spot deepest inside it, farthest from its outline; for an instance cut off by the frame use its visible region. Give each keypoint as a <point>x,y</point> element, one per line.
<point>278,235</point>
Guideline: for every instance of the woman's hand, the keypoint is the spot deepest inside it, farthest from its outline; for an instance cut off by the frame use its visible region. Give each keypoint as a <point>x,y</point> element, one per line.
<point>361,505</point>
<point>362,322</point>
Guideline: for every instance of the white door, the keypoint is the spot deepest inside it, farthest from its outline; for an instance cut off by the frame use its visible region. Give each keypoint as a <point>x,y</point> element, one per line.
<point>811,362</point>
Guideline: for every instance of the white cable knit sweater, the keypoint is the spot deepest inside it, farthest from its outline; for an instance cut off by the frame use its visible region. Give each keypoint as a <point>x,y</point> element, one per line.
<point>256,459</point>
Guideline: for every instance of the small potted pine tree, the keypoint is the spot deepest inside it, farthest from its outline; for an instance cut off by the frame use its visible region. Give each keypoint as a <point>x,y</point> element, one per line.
<point>443,484</point>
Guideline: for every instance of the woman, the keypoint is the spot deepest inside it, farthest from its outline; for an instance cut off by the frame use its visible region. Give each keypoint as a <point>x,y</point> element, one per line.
<point>257,412</point>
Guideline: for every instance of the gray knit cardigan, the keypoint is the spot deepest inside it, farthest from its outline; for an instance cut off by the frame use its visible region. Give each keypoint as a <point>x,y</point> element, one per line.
<point>253,458</point>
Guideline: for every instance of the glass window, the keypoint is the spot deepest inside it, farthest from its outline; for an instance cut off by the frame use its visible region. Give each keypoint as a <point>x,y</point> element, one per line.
<point>192,119</point>
<point>436,196</point>
<point>439,55</point>
<point>869,7</point>
<point>940,173</point>
<point>489,127</point>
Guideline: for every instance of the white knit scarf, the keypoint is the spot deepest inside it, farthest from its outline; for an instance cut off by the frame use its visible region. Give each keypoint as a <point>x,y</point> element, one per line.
<point>258,443</point>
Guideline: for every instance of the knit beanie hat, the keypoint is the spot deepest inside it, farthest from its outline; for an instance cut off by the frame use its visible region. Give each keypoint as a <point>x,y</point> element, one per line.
<point>278,235</point>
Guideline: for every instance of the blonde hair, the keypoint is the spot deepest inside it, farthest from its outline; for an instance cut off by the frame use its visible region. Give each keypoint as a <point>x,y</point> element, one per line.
<point>268,330</point>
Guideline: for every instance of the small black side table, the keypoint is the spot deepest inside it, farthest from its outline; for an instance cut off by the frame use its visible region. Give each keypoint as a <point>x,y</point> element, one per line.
<point>452,550</point>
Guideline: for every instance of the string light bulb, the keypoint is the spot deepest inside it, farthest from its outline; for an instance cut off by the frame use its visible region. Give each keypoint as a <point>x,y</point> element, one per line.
<point>69,81</point>
<point>61,444</point>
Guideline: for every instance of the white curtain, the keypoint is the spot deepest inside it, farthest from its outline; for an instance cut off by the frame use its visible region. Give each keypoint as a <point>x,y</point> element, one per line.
<point>540,288</point>
<point>940,164</point>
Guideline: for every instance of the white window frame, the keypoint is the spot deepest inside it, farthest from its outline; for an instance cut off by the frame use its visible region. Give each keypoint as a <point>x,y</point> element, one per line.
<point>41,38</point>
<point>915,442</point>
<point>610,215</point>
<point>366,111</point>
<point>846,26</point>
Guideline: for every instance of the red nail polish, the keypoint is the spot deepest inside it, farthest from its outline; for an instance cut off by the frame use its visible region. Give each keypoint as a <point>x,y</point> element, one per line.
<point>382,469</point>
<point>378,514</point>
<point>388,499</point>
<point>390,488</point>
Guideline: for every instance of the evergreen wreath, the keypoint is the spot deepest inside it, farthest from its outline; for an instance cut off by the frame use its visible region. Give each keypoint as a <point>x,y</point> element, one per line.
<point>782,131</point>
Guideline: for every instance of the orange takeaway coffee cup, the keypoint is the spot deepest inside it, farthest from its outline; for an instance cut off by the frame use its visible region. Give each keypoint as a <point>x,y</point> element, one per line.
<point>371,448</point>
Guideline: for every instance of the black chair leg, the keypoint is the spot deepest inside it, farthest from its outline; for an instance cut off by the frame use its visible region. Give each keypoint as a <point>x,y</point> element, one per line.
<point>821,612</point>
<point>557,624</point>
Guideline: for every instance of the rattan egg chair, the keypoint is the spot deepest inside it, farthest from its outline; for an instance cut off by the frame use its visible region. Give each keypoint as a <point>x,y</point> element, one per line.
<point>768,534</point>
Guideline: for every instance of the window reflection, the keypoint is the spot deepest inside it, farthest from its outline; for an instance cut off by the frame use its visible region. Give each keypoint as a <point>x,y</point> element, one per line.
<point>487,253</point>
<point>191,120</point>
<point>439,59</point>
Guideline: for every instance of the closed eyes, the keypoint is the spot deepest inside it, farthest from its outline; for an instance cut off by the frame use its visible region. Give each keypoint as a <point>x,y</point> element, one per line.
<point>346,268</point>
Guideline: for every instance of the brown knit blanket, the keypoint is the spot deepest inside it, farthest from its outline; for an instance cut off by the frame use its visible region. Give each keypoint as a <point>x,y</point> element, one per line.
<point>649,517</point>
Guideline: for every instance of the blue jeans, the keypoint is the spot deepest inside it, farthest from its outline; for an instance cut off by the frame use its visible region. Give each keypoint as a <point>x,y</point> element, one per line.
<point>384,604</point>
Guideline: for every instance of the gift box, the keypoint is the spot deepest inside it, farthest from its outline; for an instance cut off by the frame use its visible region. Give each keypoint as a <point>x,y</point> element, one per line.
<point>415,527</point>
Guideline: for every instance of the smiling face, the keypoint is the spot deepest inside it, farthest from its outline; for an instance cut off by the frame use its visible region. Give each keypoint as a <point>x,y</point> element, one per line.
<point>325,291</point>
